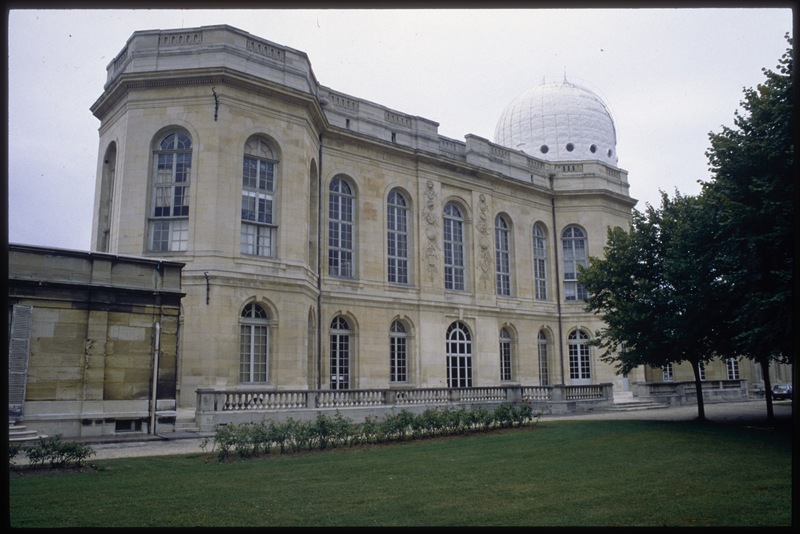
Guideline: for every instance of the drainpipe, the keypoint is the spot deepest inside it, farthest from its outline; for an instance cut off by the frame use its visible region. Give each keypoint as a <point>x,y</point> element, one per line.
<point>558,286</point>
<point>154,400</point>
<point>319,267</point>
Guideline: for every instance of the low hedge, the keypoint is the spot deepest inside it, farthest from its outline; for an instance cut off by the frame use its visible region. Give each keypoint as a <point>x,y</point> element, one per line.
<point>53,452</point>
<point>254,439</point>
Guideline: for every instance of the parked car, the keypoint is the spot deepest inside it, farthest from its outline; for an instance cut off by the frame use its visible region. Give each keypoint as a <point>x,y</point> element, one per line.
<point>782,391</point>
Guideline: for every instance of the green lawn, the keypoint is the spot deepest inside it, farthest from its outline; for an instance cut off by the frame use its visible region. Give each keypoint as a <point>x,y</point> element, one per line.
<point>558,473</point>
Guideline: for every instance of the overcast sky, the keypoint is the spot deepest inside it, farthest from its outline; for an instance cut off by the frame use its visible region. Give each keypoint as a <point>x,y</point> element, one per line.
<point>669,76</point>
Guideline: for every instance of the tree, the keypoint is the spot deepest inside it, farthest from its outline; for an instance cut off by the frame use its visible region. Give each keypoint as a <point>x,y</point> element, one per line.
<point>656,290</point>
<point>753,193</point>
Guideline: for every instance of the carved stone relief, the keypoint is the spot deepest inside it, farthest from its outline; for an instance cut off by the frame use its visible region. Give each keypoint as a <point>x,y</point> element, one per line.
<point>484,240</point>
<point>429,213</point>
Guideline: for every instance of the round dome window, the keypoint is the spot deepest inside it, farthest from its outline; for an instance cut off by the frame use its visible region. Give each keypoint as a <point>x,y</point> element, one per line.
<point>544,149</point>
<point>570,147</point>
<point>609,152</point>
<point>593,149</point>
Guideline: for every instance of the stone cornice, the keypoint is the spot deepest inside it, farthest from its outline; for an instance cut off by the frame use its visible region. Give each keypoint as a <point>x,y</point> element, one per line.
<point>212,77</point>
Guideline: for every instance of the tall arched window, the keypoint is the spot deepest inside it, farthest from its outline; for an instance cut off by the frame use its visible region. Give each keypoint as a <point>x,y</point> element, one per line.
<point>539,262</point>
<point>258,195</point>
<point>169,216</point>
<point>398,353</point>
<point>340,228</point>
<point>502,254</point>
<point>579,371</point>
<point>453,248</point>
<point>397,237</point>
<point>505,355</point>
<point>544,368</point>
<point>253,345</point>
<point>573,242</point>
<point>459,356</point>
<point>340,353</point>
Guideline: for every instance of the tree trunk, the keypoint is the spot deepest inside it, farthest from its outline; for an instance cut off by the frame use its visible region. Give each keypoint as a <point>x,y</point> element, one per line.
<point>767,388</point>
<point>698,386</point>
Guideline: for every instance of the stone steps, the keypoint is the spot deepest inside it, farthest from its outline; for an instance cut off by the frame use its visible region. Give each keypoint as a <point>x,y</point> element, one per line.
<point>636,405</point>
<point>21,434</point>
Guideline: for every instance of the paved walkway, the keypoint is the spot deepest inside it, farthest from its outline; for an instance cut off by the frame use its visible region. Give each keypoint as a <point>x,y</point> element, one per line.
<point>744,412</point>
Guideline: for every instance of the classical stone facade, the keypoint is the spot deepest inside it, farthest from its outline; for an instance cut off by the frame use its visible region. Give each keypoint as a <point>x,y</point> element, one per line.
<point>330,242</point>
<point>93,341</point>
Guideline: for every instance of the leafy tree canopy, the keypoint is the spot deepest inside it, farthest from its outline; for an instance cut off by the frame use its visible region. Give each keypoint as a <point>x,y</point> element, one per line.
<point>655,290</point>
<point>753,194</point>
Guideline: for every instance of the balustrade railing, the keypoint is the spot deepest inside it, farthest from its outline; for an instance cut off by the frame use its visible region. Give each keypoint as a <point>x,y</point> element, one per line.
<point>224,406</point>
<point>686,391</point>
<point>216,400</point>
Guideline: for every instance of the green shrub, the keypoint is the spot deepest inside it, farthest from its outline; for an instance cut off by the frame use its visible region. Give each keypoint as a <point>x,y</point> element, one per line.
<point>57,453</point>
<point>325,432</point>
<point>322,430</point>
<point>343,430</point>
<point>13,450</point>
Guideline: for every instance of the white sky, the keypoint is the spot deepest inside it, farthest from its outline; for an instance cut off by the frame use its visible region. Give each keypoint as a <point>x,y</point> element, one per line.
<point>669,76</point>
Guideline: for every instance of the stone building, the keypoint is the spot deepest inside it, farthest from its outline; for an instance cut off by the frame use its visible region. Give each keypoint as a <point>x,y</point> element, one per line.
<point>92,341</point>
<point>331,242</point>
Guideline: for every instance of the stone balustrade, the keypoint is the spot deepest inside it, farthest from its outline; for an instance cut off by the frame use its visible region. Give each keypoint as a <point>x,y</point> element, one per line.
<point>217,407</point>
<point>680,393</point>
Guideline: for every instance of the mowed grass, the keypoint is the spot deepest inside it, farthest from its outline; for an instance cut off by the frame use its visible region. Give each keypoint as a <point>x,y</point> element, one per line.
<point>558,473</point>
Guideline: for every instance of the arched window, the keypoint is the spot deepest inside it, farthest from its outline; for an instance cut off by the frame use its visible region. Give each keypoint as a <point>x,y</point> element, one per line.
<point>459,356</point>
<point>259,174</point>
<point>340,353</point>
<point>169,216</point>
<point>574,246</point>
<point>579,371</point>
<point>453,248</point>
<point>398,353</point>
<point>340,228</point>
<point>253,345</point>
<point>397,237</point>
<point>544,368</point>
<point>505,355</point>
<point>539,262</point>
<point>502,254</point>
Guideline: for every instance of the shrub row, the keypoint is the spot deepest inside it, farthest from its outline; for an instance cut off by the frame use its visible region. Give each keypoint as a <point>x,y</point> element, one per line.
<point>254,439</point>
<point>53,452</point>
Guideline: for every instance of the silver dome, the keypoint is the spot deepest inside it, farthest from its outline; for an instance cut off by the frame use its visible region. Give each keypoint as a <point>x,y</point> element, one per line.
<point>559,122</point>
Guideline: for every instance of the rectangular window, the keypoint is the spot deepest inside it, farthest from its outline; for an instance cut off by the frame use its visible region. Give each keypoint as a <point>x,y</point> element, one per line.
<point>256,240</point>
<point>253,354</point>
<point>453,255</point>
<point>340,361</point>
<point>397,240</point>
<point>505,360</point>
<point>169,235</point>
<point>539,264</point>
<point>666,373</point>
<point>169,224</point>
<point>732,365</point>
<point>258,229</point>
<point>397,350</point>
<point>544,376</point>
